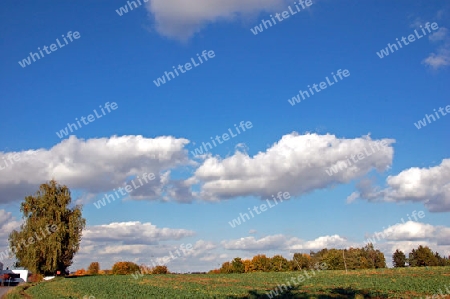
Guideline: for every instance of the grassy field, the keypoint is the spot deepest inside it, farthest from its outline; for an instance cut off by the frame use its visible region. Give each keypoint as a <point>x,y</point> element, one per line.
<point>383,283</point>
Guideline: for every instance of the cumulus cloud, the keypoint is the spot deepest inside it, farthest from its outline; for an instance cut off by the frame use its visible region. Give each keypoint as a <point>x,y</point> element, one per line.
<point>93,165</point>
<point>180,191</point>
<point>181,19</point>
<point>428,185</point>
<point>8,223</point>
<point>441,34</point>
<point>283,243</point>
<point>352,197</point>
<point>251,243</point>
<point>334,241</point>
<point>414,231</point>
<point>407,231</point>
<point>440,58</point>
<point>201,252</point>
<point>409,235</point>
<point>133,233</point>
<point>295,158</point>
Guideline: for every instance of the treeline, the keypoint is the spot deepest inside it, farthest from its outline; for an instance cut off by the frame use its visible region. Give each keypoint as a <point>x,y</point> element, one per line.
<point>122,268</point>
<point>419,257</point>
<point>331,259</point>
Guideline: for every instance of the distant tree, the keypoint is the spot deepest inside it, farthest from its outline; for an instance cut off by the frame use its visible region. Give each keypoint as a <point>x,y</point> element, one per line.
<point>248,267</point>
<point>94,267</point>
<point>144,269</point>
<point>125,268</point>
<point>279,264</point>
<point>301,261</point>
<point>355,258</point>
<point>160,270</point>
<point>237,266</point>
<point>422,256</point>
<point>50,236</point>
<point>261,263</point>
<point>375,257</point>
<point>399,259</point>
<point>226,268</point>
<point>80,272</point>
<point>334,259</point>
<point>380,261</point>
<point>441,261</point>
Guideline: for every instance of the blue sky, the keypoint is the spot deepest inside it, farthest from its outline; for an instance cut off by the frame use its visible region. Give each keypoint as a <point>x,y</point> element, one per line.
<point>251,77</point>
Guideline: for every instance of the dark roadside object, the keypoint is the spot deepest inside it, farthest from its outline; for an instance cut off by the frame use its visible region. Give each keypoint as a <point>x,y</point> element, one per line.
<point>9,277</point>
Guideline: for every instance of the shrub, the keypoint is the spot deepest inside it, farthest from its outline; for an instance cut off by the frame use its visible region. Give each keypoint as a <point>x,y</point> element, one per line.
<point>160,270</point>
<point>35,277</point>
<point>80,272</point>
<point>145,269</point>
<point>94,267</point>
<point>125,268</point>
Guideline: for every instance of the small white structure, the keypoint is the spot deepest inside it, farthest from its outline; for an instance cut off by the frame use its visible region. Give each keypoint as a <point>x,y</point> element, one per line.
<point>49,277</point>
<point>23,274</point>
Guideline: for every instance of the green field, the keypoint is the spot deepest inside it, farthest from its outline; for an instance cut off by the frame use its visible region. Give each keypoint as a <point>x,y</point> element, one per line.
<point>381,283</point>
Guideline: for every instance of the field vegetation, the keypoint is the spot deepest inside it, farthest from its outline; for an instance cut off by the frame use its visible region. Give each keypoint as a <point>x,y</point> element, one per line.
<point>409,282</point>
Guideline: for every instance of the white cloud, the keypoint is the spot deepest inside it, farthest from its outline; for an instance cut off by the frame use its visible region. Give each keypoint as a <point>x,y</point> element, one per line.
<point>283,243</point>
<point>94,165</point>
<point>295,158</point>
<point>181,19</point>
<point>8,223</point>
<point>251,243</point>
<point>441,58</point>
<point>428,185</point>
<point>414,231</point>
<point>409,231</point>
<point>441,34</point>
<point>334,241</point>
<point>352,197</point>
<point>416,23</point>
<point>133,233</point>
